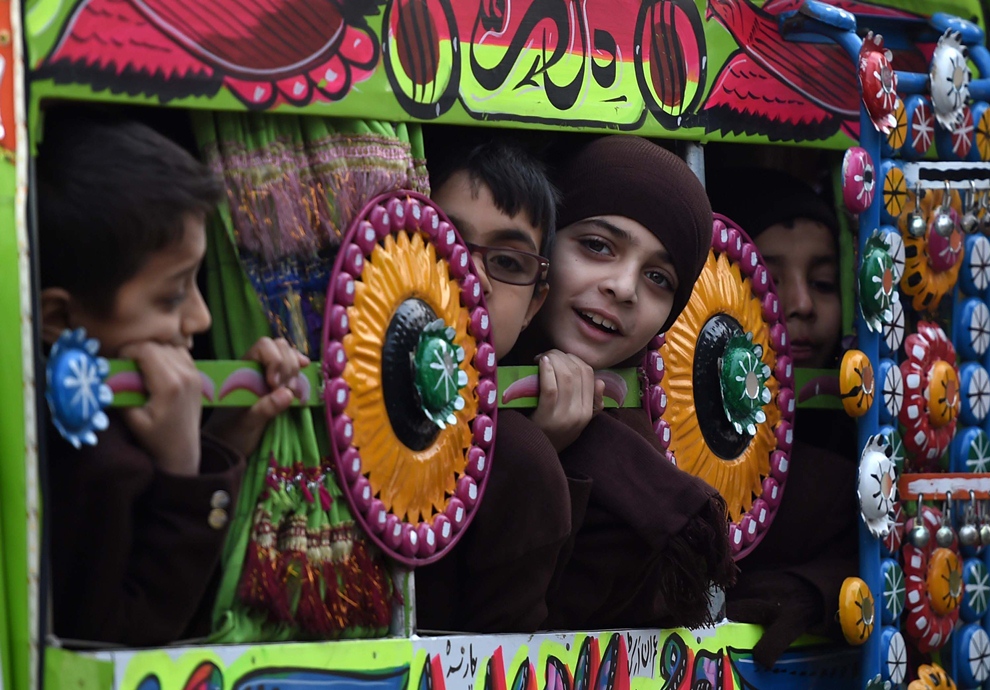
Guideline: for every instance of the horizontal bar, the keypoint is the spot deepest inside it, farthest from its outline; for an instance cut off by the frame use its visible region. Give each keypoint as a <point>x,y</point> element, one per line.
<point>935,486</point>
<point>237,383</point>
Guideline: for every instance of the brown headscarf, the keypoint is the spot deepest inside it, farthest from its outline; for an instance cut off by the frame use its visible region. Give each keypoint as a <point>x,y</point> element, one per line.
<point>622,175</point>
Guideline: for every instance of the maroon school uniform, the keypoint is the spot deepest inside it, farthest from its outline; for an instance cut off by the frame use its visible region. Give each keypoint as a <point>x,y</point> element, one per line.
<point>496,577</point>
<point>134,550</point>
<point>653,538</point>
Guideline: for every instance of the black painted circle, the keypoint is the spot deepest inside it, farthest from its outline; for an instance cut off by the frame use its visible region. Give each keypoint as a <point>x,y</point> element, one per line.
<point>715,426</point>
<point>409,423</point>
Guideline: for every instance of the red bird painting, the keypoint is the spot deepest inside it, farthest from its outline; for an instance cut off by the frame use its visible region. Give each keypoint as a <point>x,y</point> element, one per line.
<point>265,51</point>
<point>784,89</point>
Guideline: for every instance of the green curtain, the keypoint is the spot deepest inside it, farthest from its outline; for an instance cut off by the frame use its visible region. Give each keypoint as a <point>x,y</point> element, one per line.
<point>295,565</point>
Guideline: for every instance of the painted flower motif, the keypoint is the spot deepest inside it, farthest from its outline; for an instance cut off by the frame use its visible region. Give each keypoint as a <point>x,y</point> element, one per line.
<point>978,261</point>
<point>744,384</point>
<point>978,455</point>
<point>949,78</point>
<point>895,194</point>
<point>857,383</point>
<point>979,328</point>
<point>76,391</point>
<point>983,136</point>
<point>893,590</point>
<point>932,262</point>
<point>931,394</point>
<point>895,247</point>
<point>977,588</point>
<point>932,677</point>
<point>962,134</point>
<point>945,582</point>
<point>878,81</point>
<point>977,392</point>
<point>934,588</point>
<point>859,181</point>
<point>877,486</point>
<point>892,393</point>
<point>856,611</point>
<point>922,128</point>
<point>978,655</point>
<point>896,659</point>
<point>893,329</point>
<point>898,133</point>
<point>877,282</point>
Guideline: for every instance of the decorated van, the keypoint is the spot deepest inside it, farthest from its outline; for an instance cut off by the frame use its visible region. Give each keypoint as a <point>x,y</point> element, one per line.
<point>313,113</point>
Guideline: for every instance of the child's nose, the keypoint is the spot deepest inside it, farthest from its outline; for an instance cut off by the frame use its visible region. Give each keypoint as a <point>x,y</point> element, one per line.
<point>798,300</point>
<point>196,318</point>
<point>622,285</point>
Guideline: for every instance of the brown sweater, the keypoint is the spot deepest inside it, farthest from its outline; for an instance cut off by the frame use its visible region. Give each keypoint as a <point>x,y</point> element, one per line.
<point>133,554</point>
<point>496,577</point>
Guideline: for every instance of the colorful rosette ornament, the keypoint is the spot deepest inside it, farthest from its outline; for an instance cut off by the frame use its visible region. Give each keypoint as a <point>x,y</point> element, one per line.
<point>857,383</point>
<point>931,395</point>
<point>932,677</point>
<point>877,486</point>
<point>934,587</point>
<point>949,77</point>
<point>409,371</point>
<point>931,259</point>
<point>878,82</point>
<point>859,182</point>
<point>857,610</point>
<point>729,383</point>
<point>75,388</point>
<point>877,283</point>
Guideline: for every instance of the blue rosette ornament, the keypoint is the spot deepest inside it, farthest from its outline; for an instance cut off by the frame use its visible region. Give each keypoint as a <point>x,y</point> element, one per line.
<point>76,388</point>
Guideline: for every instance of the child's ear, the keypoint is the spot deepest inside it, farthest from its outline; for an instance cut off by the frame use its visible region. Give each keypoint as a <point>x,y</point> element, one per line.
<point>54,313</point>
<point>539,297</point>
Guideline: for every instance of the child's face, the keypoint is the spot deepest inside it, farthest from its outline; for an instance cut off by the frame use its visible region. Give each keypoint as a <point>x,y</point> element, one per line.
<point>480,222</point>
<point>805,267</point>
<point>161,303</point>
<point>612,287</point>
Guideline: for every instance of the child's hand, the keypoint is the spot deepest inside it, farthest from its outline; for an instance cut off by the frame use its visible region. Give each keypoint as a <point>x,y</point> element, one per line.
<point>242,428</point>
<point>167,425</point>
<point>570,396</point>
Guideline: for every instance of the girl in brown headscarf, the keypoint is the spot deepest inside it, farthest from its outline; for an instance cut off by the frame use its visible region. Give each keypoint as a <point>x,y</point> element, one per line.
<point>635,228</point>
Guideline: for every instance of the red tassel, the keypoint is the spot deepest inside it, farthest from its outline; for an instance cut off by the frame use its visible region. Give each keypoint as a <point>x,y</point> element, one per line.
<point>325,499</point>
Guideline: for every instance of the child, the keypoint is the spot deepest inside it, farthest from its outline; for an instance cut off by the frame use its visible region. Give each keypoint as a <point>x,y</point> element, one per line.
<point>790,582</point>
<point>635,231</point>
<point>138,521</point>
<point>496,578</point>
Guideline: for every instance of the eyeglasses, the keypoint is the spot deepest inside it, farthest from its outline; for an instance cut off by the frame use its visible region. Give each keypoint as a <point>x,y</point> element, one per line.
<point>512,266</point>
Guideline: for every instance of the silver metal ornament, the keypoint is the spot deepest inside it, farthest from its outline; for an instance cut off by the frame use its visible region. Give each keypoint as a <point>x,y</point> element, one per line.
<point>970,221</point>
<point>919,535</point>
<point>944,225</point>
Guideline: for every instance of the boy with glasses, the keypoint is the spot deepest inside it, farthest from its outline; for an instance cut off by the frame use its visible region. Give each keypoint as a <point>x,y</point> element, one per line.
<point>496,579</point>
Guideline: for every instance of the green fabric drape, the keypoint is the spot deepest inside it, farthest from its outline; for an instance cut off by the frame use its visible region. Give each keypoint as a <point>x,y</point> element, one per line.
<point>295,565</point>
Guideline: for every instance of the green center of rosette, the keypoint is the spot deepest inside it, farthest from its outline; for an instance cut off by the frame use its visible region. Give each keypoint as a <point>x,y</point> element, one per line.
<point>744,379</point>
<point>437,374</point>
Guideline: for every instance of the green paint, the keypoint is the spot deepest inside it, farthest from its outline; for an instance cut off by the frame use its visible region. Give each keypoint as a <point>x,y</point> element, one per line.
<point>822,397</point>
<point>509,375</point>
<point>13,470</point>
<point>64,669</point>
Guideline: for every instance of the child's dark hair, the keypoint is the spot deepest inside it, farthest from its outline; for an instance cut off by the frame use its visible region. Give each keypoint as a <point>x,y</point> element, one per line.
<point>111,192</point>
<point>516,178</point>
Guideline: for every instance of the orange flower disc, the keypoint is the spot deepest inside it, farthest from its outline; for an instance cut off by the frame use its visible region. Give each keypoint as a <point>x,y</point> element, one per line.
<point>857,385</point>
<point>943,394</point>
<point>945,583</point>
<point>857,610</point>
<point>413,484</point>
<point>721,289</point>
